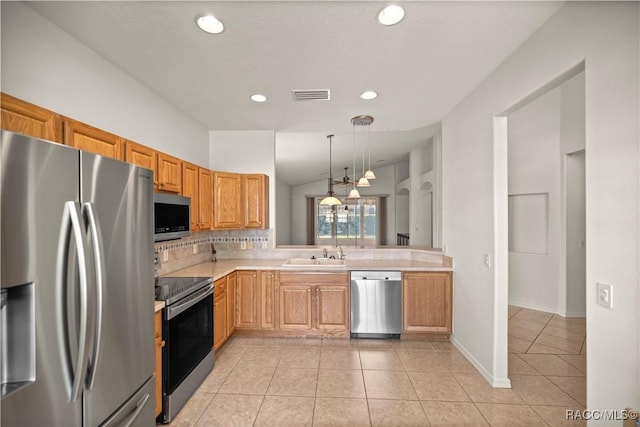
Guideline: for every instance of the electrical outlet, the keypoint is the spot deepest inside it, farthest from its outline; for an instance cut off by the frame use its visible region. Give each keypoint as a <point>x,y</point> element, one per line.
<point>605,295</point>
<point>243,245</point>
<point>195,249</point>
<point>487,260</point>
<point>165,255</point>
<point>249,244</point>
<point>264,244</point>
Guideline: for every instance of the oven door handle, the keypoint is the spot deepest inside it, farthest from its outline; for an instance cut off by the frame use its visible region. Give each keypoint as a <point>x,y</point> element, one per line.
<point>184,304</point>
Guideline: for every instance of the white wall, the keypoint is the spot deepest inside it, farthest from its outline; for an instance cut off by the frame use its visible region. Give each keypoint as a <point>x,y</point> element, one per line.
<point>534,169</point>
<point>576,265</point>
<point>47,67</point>
<point>246,152</point>
<point>606,37</point>
<point>283,213</point>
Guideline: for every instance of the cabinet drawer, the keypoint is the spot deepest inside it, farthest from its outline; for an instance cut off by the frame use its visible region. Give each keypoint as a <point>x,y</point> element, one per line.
<point>220,287</point>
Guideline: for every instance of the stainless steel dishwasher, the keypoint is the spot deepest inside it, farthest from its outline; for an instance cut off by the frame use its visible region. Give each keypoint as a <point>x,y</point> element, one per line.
<point>376,304</point>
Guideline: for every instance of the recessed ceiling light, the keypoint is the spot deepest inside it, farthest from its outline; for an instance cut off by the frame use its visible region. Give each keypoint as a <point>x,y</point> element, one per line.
<point>209,24</point>
<point>391,15</point>
<point>258,98</point>
<point>369,94</point>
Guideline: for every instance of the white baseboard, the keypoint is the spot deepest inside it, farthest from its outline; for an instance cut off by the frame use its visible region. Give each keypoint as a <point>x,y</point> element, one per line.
<point>494,382</point>
<point>576,314</point>
<point>536,307</point>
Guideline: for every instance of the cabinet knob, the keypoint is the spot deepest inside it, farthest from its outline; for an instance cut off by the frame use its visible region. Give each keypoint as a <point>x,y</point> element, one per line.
<point>162,344</point>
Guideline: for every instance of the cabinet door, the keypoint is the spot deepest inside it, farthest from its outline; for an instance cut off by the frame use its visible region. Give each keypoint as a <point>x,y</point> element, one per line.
<point>158,371</point>
<point>332,307</point>
<point>295,306</point>
<point>220,313</point>
<point>268,281</point>
<point>227,199</point>
<point>169,173</point>
<point>231,304</point>
<point>141,155</point>
<point>248,297</point>
<point>256,200</point>
<point>426,299</point>
<point>29,119</point>
<point>190,189</point>
<point>204,198</point>
<point>94,140</point>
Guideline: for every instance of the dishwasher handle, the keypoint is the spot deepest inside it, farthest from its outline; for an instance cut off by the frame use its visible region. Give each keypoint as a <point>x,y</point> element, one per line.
<point>391,276</point>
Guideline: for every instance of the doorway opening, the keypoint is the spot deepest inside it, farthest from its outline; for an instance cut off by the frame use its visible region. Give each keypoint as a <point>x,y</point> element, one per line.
<point>539,149</point>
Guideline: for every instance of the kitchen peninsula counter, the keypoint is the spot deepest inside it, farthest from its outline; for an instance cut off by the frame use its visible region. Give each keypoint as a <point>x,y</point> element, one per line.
<point>221,268</point>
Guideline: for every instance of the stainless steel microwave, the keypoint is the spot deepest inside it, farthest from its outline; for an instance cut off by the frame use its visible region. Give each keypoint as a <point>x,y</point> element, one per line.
<point>172,216</point>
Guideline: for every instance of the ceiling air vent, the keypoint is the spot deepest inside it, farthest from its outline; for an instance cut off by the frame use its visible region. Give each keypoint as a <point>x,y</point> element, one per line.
<point>311,95</point>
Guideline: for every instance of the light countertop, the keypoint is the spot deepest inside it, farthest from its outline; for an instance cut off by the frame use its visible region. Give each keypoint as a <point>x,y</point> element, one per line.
<point>159,305</point>
<point>221,268</point>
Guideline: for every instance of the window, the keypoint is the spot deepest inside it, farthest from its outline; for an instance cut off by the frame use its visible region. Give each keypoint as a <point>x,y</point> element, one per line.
<point>355,222</point>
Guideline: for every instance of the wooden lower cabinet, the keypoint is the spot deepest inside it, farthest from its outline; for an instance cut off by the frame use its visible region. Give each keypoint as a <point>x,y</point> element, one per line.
<point>427,302</point>
<point>159,342</point>
<point>268,281</point>
<point>314,302</point>
<point>231,304</point>
<point>248,296</point>
<point>295,307</point>
<point>220,313</point>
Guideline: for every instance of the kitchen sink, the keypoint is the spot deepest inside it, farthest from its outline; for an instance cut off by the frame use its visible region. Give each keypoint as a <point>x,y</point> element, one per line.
<point>309,262</point>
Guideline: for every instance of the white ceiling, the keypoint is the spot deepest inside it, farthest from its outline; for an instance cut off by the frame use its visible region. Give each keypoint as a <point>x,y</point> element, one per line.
<point>421,67</point>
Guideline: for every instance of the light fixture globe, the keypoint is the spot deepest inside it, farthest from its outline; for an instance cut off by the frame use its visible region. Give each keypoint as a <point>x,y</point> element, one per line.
<point>363,182</point>
<point>369,175</point>
<point>353,194</point>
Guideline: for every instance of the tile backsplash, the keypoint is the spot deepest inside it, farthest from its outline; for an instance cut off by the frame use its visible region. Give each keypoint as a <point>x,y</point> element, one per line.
<point>177,254</point>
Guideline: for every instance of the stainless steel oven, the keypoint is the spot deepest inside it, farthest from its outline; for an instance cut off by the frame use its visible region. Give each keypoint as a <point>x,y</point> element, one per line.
<point>187,330</point>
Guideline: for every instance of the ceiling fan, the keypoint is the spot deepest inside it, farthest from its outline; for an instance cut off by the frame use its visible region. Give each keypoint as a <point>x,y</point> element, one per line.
<point>345,179</point>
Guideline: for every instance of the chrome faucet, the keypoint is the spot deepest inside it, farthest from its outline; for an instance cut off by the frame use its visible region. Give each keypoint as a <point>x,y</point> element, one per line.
<point>324,252</point>
<point>340,252</point>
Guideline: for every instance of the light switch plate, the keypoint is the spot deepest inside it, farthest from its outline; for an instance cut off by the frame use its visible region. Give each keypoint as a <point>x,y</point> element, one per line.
<point>605,295</point>
<point>243,244</point>
<point>165,255</point>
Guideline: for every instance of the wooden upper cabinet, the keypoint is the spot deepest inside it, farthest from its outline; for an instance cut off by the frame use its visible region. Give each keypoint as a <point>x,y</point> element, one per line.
<point>227,200</point>
<point>169,173</point>
<point>190,180</point>
<point>94,140</point>
<point>205,196</point>
<point>256,200</point>
<point>141,155</point>
<point>29,119</point>
<point>426,299</point>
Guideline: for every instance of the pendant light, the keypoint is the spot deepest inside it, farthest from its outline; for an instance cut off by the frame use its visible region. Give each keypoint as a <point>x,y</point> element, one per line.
<point>363,121</point>
<point>354,194</point>
<point>330,200</point>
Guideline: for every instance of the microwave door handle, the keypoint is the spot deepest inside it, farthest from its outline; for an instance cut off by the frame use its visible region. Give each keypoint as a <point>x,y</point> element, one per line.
<point>100,279</point>
<point>71,226</point>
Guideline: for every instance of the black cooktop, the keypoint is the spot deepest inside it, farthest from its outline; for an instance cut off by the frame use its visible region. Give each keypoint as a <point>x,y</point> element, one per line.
<point>172,289</point>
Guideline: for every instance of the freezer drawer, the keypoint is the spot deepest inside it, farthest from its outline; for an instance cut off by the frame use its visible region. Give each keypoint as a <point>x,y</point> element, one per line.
<point>376,304</point>
<point>138,410</point>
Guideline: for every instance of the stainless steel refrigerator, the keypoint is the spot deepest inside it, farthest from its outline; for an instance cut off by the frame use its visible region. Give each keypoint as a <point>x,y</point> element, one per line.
<point>77,288</point>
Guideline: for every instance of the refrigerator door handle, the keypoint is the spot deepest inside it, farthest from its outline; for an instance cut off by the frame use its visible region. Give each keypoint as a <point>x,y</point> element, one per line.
<point>72,225</point>
<point>100,278</point>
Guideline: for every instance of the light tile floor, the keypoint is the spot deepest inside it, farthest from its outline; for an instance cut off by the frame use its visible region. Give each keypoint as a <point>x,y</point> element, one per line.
<point>329,382</point>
